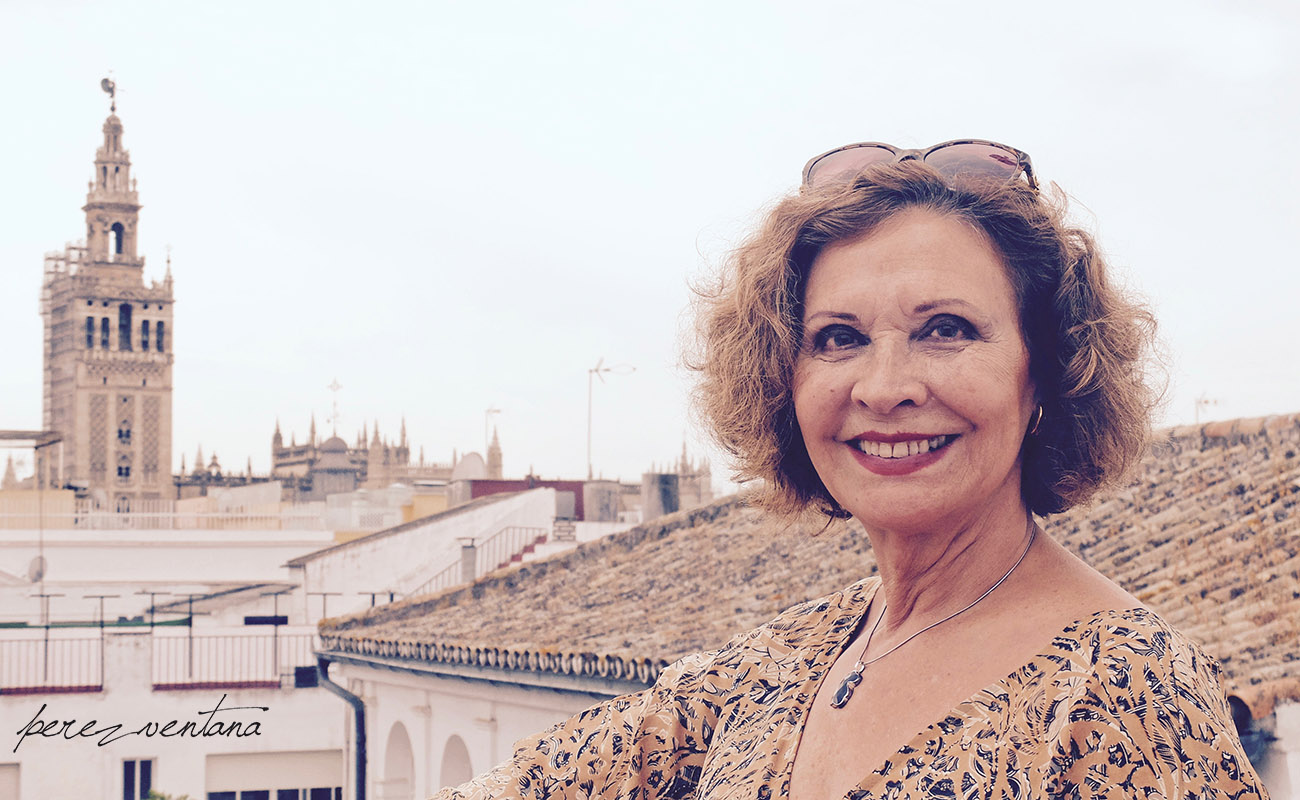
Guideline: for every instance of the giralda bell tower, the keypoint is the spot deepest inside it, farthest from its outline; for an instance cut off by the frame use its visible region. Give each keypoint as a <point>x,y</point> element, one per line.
<point>108,347</point>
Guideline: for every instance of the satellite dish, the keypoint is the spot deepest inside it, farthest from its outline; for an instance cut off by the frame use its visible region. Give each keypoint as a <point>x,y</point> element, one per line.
<point>36,569</point>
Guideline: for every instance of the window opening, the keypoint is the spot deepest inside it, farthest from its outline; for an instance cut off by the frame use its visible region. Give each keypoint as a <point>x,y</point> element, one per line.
<point>137,776</point>
<point>144,335</point>
<point>117,235</point>
<point>159,331</point>
<point>90,333</point>
<point>103,332</point>
<point>124,327</point>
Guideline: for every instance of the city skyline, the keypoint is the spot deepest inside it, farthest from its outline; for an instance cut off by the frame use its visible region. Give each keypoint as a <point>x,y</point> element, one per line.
<point>448,213</point>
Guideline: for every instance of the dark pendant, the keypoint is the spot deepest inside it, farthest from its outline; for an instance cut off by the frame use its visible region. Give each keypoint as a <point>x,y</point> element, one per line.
<point>845,691</point>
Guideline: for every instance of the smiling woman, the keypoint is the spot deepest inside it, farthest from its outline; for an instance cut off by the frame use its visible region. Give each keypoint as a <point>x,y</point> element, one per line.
<point>912,387</point>
<point>919,340</point>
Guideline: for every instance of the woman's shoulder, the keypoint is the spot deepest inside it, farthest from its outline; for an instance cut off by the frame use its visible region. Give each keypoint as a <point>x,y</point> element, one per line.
<point>1137,632</point>
<point>1135,696</point>
<point>821,623</point>
<point>1134,659</point>
<point>825,614</point>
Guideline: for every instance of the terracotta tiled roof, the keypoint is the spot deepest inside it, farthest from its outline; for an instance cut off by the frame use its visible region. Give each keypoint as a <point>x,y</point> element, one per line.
<point>1208,536</point>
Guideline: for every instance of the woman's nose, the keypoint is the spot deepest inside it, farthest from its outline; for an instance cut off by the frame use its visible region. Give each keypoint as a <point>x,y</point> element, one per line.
<point>889,377</point>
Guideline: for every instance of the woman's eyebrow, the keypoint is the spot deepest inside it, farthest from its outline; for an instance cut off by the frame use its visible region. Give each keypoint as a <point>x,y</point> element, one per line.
<point>833,315</point>
<point>931,305</point>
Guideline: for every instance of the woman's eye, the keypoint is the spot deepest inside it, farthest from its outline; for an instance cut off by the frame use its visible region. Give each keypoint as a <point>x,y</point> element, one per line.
<point>949,329</point>
<point>835,338</point>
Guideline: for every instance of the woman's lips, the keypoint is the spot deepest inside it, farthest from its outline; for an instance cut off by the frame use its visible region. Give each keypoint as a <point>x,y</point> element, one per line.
<point>899,454</point>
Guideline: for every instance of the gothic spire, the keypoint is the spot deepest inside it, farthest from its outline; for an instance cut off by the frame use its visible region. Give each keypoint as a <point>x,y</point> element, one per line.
<point>10,479</point>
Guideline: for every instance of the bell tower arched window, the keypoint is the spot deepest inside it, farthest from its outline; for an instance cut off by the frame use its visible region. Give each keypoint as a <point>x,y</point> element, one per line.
<point>116,237</point>
<point>158,335</point>
<point>103,332</point>
<point>90,333</point>
<point>124,327</point>
<point>144,335</point>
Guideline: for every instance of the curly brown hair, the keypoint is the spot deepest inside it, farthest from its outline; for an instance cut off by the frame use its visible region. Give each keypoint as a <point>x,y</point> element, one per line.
<point>1088,343</point>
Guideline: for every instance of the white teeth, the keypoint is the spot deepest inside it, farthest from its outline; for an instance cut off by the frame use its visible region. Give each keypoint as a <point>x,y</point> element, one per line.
<point>901,449</point>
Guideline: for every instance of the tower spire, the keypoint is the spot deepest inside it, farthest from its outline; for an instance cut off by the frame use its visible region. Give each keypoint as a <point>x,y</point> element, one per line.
<point>494,456</point>
<point>112,205</point>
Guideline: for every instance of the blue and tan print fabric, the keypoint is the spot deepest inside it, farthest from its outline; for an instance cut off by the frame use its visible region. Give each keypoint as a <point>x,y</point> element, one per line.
<point>1118,706</point>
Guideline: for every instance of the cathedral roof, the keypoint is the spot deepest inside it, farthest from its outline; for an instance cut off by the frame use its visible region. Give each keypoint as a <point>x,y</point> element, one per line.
<point>1208,536</point>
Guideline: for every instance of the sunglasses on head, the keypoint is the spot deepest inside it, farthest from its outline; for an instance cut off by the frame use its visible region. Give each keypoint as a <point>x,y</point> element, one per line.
<point>958,160</point>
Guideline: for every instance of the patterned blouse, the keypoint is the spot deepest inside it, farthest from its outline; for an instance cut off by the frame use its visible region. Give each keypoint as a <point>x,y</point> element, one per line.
<point>1118,706</point>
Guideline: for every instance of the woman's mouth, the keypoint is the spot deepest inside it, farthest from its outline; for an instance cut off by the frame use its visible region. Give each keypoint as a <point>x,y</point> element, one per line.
<point>903,449</point>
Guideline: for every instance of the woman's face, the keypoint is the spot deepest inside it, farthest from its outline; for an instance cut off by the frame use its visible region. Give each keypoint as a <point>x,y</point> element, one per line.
<point>912,385</point>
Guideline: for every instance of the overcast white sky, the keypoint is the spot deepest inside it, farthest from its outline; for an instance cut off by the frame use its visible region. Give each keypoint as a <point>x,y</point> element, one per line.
<point>455,206</point>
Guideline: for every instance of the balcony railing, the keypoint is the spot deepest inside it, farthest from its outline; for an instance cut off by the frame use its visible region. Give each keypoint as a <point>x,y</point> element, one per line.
<point>228,661</point>
<point>508,545</point>
<point>178,661</point>
<point>51,666</point>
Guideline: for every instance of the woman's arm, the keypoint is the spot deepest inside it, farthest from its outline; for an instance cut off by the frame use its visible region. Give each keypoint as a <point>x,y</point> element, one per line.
<point>645,745</point>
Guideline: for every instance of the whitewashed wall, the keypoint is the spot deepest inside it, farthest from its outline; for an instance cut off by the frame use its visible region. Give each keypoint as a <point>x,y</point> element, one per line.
<point>1281,768</point>
<point>122,562</point>
<point>298,721</point>
<point>401,561</point>
<point>437,715</point>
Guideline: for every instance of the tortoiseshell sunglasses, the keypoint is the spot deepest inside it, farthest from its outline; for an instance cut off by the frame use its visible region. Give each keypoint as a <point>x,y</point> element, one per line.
<point>960,159</point>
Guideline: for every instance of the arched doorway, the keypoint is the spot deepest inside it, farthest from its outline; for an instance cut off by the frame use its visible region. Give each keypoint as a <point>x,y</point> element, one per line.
<point>456,768</point>
<point>399,766</point>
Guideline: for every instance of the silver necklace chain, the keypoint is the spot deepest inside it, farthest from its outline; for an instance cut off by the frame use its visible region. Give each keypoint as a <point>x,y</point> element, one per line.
<point>851,680</point>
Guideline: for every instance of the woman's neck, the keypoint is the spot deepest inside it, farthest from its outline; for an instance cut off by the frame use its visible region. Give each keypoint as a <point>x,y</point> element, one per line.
<point>927,573</point>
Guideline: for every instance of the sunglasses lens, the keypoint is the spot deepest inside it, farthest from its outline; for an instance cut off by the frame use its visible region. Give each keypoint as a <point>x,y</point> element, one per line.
<point>979,162</point>
<point>842,166</point>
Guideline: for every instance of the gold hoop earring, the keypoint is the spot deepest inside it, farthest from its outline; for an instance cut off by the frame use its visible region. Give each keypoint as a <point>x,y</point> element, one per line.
<point>1037,421</point>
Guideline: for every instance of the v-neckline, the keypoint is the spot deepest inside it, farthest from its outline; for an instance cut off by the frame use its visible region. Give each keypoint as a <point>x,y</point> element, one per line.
<point>864,594</point>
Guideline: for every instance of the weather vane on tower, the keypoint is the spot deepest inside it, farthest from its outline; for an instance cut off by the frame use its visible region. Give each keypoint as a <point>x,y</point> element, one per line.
<point>111,88</point>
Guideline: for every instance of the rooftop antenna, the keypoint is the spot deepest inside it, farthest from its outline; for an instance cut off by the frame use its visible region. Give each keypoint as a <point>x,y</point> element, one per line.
<point>599,371</point>
<point>110,88</point>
